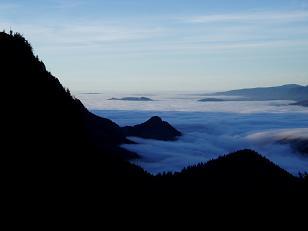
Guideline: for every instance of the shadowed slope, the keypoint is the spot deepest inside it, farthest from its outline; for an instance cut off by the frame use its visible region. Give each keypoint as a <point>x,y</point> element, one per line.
<point>49,135</point>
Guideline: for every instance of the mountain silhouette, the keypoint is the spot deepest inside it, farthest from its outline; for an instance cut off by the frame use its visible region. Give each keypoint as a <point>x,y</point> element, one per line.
<point>49,136</point>
<point>285,92</point>
<point>154,128</point>
<point>132,99</point>
<point>240,171</point>
<point>303,103</point>
<point>212,100</point>
<point>45,111</point>
<point>53,147</point>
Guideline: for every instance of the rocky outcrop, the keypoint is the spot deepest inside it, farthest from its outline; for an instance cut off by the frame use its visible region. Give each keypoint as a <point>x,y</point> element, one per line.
<point>154,128</point>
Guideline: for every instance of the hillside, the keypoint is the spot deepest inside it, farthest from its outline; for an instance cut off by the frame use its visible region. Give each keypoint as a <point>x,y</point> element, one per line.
<point>49,134</point>
<point>242,171</point>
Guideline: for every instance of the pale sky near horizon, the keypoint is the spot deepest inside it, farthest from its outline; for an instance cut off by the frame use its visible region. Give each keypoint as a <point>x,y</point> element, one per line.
<point>160,45</point>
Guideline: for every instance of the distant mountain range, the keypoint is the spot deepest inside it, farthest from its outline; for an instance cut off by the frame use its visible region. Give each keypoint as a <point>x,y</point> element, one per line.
<point>303,103</point>
<point>212,100</point>
<point>132,99</point>
<point>286,92</point>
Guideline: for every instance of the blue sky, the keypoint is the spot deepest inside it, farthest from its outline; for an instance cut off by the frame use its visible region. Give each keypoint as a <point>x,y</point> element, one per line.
<point>176,45</point>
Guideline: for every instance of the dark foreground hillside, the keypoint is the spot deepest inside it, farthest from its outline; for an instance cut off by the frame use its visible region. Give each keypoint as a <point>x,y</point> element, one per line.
<point>51,142</point>
<point>48,134</point>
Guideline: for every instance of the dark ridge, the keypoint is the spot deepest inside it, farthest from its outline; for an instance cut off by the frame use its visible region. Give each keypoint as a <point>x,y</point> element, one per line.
<point>154,128</point>
<point>132,99</point>
<point>242,171</point>
<point>303,103</point>
<point>212,100</point>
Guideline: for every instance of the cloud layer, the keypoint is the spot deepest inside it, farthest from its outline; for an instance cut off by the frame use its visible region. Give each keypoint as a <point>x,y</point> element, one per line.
<point>220,129</point>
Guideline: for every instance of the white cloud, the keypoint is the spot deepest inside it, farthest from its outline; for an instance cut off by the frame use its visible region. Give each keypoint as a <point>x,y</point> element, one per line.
<point>279,134</point>
<point>210,129</point>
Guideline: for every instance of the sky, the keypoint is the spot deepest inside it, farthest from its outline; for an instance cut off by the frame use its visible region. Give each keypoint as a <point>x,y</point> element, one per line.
<point>165,45</point>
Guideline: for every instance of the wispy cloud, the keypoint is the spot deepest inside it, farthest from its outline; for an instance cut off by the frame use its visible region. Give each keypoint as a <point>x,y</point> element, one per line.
<point>82,34</point>
<point>249,17</point>
<point>120,39</point>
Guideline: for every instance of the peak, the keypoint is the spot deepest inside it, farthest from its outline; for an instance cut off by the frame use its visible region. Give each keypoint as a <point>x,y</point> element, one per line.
<point>155,119</point>
<point>291,85</point>
<point>154,128</point>
<point>15,45</point>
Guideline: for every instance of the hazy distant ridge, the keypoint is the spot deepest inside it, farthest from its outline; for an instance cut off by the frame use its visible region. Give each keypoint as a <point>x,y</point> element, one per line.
<point>285,92</point>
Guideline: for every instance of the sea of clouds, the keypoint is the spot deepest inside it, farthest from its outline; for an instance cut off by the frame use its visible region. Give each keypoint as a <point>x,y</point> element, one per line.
<point>210,129</point>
